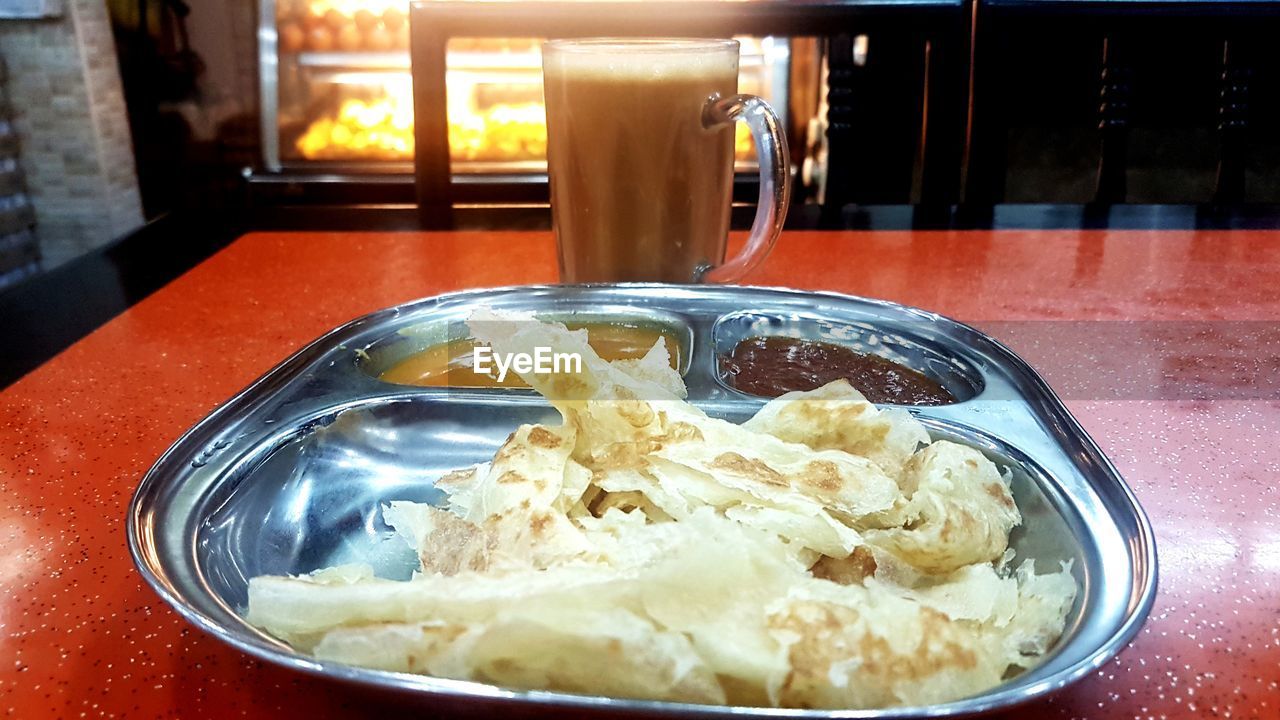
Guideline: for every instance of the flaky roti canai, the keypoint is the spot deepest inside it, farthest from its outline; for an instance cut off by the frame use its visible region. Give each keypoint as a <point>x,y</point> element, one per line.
<point>824,554</point>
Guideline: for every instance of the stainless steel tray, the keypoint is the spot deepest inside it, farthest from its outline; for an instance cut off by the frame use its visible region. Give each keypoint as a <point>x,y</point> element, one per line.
<point>288,476</point>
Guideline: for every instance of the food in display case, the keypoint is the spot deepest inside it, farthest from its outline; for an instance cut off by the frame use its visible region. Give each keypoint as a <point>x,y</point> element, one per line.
<point>378,125</point>
<point>381,128</point>
<point>342,25</point>
<point>342,91</point>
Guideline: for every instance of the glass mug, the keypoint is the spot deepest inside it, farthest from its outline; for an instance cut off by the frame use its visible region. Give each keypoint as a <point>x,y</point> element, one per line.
<point>640,157</point>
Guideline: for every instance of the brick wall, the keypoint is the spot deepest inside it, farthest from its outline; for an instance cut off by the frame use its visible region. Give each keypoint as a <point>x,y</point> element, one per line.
<point>69,111</point>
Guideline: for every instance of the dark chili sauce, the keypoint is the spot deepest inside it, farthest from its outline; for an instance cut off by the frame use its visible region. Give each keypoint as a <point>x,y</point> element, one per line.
<point>772,366</point>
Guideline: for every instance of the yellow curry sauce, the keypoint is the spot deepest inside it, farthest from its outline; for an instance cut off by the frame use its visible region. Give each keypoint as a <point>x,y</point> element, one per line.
<point>449,364</point>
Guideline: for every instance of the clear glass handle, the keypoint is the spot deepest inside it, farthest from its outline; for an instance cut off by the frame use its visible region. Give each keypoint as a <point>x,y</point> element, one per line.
<point>775,181</point>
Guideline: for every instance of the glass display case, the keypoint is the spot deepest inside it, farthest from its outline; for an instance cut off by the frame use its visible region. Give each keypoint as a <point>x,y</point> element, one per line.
<point>337,91</point>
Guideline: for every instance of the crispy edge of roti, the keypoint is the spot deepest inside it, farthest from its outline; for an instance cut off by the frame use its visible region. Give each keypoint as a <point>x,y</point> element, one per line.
<point>655,367</point>
<point>296,608</point>
<point>604,650</point>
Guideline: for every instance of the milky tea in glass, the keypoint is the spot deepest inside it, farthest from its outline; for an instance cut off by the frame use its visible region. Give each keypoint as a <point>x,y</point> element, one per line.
<point>640,157</point>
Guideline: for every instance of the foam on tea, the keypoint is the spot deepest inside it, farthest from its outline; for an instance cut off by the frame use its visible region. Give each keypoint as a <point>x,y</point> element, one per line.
<point>639,188</point>
<point>643,59</point>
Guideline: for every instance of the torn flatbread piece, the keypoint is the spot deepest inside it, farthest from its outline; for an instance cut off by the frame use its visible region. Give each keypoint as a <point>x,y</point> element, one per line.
<point>958,511</point>
<point>838,417</point>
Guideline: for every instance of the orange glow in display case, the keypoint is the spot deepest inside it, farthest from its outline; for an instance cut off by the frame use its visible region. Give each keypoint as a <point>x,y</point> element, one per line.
<point>337,93</point>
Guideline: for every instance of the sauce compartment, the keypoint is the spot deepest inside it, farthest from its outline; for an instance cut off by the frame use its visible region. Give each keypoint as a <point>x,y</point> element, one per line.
<point>925,363</point>
<point>438,353</point>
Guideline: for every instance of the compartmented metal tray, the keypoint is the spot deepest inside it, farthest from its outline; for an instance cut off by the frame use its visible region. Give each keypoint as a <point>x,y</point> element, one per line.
<point>289,475</point>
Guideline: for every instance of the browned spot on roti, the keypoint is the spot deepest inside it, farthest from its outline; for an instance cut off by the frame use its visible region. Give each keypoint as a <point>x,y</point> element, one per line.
<point>454,545</point>
<point>1001,494</point>
<point>821,474</point>
<point>636,413</point>
<point>878,658</point>
<point>511,477</point>
<point>817,625</point>
<point>824,425</point>
<point>455,477</point>
<point>539,523</point>
<point>569,386</point>
<point>754,469</point>
<point>830,634</point>
<point>507,450</point>
<point>544,438</point>
<point>851,570</point>
<point>683,432</point>
<point>624,454</point>
<point>825,413</point>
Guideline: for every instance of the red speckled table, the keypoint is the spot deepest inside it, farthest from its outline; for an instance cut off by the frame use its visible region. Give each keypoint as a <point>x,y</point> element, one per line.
<point>1163,343</point>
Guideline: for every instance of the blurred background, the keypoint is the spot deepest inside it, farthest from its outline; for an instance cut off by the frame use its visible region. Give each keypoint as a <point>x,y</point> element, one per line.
<point>115,113</point>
